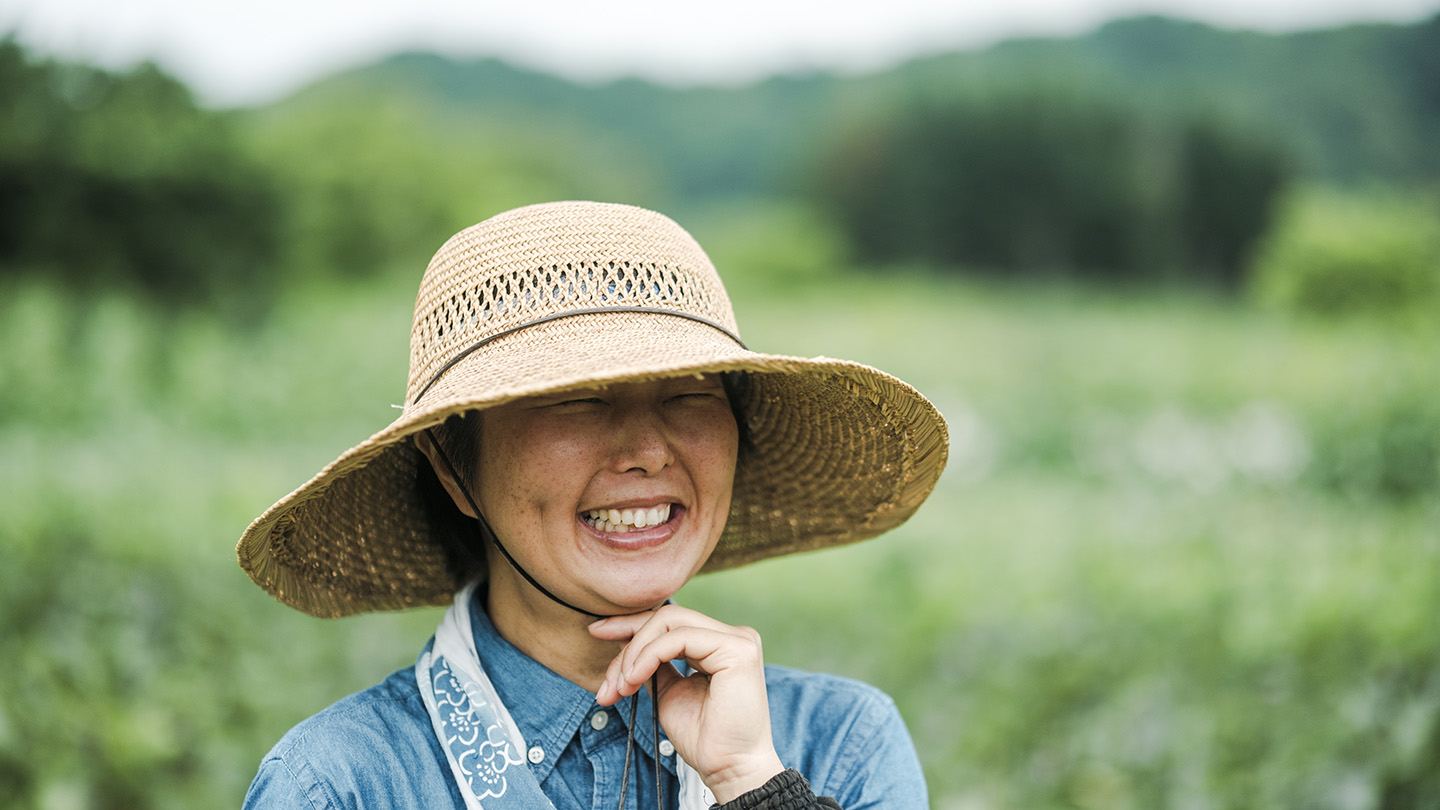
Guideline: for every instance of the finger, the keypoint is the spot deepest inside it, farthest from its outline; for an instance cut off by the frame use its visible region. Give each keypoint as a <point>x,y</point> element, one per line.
<point>615,628</point>
<point>655,622</point>
<point>609,692</point>
<point>641,629</point>
<point>665,620</point>
<point>619,628</point>
<point>707,651</point>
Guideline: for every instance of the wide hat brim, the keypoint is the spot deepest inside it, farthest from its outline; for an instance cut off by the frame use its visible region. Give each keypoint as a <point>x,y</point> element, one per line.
<point>840,452</point>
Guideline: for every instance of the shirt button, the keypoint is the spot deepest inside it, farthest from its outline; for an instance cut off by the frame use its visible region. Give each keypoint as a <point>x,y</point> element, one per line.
<point>537,755</point>
<point>599,720</point>
<point>666,748</point>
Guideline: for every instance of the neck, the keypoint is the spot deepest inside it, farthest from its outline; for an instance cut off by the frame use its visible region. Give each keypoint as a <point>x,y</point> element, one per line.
<point>547,631</point>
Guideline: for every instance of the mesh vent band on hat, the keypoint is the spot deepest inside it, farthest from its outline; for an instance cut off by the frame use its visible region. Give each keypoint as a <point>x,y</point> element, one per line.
<point>538,261</point>
<point>567,314</point>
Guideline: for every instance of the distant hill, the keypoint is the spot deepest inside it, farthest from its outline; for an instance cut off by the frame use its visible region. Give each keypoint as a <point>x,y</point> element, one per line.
<point>1349,103</point>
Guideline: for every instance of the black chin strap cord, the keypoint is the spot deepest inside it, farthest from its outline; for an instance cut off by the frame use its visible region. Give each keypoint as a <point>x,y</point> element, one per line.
<point>487,533</point>
<point>630,743</point>
<point>654,735</point>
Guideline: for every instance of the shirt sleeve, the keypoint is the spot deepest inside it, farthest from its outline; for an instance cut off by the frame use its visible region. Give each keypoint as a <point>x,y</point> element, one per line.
<point>884,769</point>
<point>788,790</point>
<point>276,788</point>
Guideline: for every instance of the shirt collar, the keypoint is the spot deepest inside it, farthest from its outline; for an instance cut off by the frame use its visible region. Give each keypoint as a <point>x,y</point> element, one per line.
<point>547,707</point>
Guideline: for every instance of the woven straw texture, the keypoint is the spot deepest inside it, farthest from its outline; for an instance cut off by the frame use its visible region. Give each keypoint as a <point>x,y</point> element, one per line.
<point>571,295</point>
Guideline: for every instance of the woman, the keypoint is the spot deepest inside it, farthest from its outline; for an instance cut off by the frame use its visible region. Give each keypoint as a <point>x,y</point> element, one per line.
<point>583,432</point>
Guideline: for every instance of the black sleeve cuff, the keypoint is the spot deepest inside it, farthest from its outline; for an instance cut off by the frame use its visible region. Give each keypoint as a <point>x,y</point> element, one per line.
<point>787,790</point>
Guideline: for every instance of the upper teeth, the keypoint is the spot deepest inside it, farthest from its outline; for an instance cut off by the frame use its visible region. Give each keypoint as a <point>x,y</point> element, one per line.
<point>623,520</point>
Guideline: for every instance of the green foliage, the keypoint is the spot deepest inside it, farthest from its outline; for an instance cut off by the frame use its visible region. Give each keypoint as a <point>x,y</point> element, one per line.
<point>1149,148</point>
<point>703,143</point>
<point>142,672</point>
<point>120,180</point>
<point>1345,103</point>
<point>379,182</point>
<point>1134,587</point>
<point>770,244</point>
<point>1121,623</point>
<point>366,193</point>
<point>1229,182</point>
<point>1086,613</point>
<point>1338,253</point>
<point>1384,445</point>
<point>1349,102</point>
<point>1043,179</point>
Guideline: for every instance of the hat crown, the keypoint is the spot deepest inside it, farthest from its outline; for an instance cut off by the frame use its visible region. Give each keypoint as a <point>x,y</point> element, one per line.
<point>546,261</point>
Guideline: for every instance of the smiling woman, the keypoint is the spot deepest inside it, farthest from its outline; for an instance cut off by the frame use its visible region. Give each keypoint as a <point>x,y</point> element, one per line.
<point>584,431</point>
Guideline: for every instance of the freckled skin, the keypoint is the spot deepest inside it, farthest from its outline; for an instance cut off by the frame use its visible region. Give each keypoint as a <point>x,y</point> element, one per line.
<point>545,460</point>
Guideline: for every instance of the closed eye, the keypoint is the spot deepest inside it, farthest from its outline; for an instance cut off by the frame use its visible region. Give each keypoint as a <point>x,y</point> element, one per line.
<point>569,404</point>
<point>698,396</point>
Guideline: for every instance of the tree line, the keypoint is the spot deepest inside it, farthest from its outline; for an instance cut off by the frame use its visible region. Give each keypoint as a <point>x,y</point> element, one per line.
<point>1049,180</point>
<point>121,180</point>
<point>970,162</point>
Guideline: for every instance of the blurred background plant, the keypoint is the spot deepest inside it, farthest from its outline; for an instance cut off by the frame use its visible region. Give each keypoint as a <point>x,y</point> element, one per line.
<point>1342,254</point>
<point>118,181</point>
<point>1175,288</point>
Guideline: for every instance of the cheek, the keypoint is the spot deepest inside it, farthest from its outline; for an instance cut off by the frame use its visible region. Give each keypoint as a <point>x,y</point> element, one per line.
<point>716,448</point>
<point>529,470</point>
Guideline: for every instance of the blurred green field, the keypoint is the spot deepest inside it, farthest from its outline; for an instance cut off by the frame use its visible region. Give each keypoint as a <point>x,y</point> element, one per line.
<point>1184,556</point>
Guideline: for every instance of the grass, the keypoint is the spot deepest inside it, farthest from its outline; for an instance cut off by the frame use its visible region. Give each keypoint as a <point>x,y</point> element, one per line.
<point>1164,568</point>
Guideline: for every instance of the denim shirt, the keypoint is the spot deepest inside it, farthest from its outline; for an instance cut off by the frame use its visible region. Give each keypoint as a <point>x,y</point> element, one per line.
<point>376,748</point>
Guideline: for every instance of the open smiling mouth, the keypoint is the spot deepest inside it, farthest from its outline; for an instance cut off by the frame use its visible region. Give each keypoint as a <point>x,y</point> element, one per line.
<point>626,520</point>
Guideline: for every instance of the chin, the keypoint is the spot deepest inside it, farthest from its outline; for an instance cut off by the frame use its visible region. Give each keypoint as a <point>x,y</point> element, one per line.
<point>642,595</point>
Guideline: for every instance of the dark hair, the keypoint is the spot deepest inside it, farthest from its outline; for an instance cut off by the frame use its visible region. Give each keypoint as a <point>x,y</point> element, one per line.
<point>738,390</point>
<point>457,534</point>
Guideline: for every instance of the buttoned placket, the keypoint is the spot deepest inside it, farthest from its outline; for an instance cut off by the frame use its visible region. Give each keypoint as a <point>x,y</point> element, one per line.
<point>569,713</point>
<point>602,742</point>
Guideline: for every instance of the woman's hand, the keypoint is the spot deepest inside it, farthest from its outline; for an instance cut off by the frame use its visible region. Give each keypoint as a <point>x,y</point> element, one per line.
<point>717,717</point>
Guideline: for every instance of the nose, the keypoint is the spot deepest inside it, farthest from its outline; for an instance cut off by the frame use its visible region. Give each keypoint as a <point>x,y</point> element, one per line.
<point>642,442</point>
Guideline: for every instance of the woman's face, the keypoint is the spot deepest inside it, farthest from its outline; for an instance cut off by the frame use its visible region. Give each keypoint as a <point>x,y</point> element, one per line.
<point>612,497</point>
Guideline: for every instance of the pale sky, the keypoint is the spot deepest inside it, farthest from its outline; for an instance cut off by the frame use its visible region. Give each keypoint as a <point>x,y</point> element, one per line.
<point>236,52</point>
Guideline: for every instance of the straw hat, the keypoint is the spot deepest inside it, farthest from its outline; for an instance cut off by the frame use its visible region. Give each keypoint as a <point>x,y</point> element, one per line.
<point>570,295</point>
